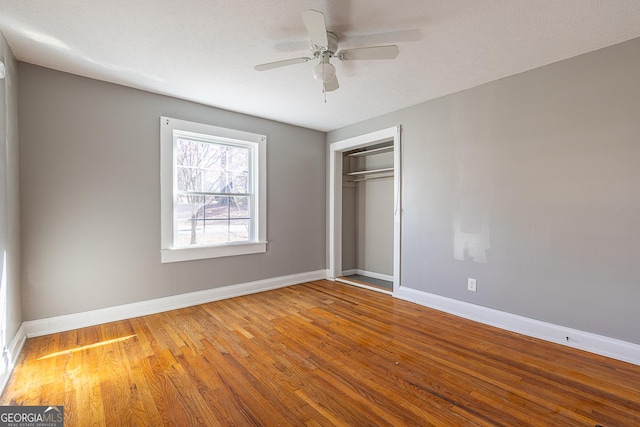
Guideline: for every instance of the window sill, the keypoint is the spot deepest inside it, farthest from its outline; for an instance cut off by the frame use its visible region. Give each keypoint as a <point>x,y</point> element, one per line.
<point>204,252</point>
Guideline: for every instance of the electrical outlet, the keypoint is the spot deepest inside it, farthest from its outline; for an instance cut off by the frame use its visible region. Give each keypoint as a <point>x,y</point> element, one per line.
<point>471,284</point>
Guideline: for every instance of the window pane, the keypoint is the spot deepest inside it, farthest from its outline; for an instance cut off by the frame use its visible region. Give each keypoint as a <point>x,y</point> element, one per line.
<point>239,230</point>
<point>188,233</point>
<point>189,178</point>
<point>212,155</point>
<point>239,207</point>
<point>215,232</point>
<point>189,214</point>
<point>237,159</point>
<point>217,207</point>
<point>212,168</point>
<point>238,182</point>
<point>189,164</point>
<point>189,207</point>
<point>210,220</point>
<point>215,181</point>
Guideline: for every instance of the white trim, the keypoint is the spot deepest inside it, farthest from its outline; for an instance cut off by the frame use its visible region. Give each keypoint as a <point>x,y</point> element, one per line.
<point>336,151</point>
<point>201,252</point>
<point>335,212</point>
<point>34,328</point>
<point>258,145</point>
<point>18,342</point>
<point>598,344</point>
<point>397,206</point>
<point>13,352</point>
<point>365,140</point>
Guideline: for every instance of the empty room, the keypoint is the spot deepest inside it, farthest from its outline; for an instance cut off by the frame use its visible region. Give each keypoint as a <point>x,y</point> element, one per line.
<point>319,213</point>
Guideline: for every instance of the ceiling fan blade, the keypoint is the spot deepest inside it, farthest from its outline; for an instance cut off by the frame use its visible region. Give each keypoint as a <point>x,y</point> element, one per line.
<point>375,52</point>
<point>314,21</point>
<point>278,64</point>
<point>331,85</point>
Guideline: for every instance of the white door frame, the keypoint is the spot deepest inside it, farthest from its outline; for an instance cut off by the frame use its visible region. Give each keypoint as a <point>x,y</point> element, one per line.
<point>336,151</point>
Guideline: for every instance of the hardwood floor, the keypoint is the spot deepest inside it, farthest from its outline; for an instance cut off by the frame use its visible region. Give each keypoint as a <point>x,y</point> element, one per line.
<point>320,353</point>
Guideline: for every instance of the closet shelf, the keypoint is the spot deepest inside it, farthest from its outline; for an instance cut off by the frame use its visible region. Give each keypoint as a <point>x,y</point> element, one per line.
<point>370,172</point>
<point>370,152</point>
<point>372,178</point>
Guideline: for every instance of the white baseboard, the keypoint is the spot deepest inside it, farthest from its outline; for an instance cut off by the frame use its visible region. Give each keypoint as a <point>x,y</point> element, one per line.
<point>13,351</point>
<point>368,274</point>
<point>598,344</point>
<point>34,328</point>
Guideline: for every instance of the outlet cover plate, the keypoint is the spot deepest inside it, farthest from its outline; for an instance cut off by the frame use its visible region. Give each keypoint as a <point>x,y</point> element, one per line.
<point>471,284</point>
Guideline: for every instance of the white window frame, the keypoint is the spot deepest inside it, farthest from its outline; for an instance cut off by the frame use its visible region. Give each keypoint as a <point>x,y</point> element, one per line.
<point>168,190</point>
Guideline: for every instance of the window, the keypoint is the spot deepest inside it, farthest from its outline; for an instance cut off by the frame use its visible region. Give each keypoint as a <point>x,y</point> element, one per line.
<point>213,191</point>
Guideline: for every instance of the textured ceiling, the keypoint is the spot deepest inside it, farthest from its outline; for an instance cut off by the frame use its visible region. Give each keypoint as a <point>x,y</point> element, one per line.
<point>204,51</point>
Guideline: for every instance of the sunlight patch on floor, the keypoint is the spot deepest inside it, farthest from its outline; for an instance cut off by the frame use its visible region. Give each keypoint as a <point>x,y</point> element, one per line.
<point>86,347</point>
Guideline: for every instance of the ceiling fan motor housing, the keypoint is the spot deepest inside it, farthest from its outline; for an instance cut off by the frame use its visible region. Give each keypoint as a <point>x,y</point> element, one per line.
<point>331,49</point>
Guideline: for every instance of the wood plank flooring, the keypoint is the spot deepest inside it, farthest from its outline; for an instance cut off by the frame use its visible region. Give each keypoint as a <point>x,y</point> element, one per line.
<point>316,354</point>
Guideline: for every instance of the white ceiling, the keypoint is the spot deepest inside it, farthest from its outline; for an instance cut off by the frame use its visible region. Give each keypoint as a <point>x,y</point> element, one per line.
<point>204,51</point>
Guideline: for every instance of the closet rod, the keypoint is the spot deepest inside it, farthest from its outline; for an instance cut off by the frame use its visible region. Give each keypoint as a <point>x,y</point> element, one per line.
<point>370,152</point>
<point>370,171</point>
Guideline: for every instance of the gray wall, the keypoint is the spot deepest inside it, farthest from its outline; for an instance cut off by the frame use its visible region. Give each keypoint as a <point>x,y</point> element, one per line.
<point>90,197</point>
<point>9,192</point>
<point>529,184</point>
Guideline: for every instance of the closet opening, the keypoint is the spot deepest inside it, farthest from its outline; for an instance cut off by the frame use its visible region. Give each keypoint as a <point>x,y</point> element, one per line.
<point>364,217</point>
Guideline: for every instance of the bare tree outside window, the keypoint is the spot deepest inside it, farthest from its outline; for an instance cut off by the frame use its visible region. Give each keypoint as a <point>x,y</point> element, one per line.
<point>213,205</point>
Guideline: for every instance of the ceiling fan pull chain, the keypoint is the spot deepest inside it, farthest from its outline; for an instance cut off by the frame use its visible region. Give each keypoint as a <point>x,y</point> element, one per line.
<point>324,86</point>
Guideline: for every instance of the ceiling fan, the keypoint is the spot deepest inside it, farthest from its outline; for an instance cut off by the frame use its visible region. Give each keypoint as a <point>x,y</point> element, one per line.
<point>324,46</point>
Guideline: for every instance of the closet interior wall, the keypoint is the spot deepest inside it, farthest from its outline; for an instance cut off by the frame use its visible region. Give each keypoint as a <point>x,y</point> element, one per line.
<point>367,218</point>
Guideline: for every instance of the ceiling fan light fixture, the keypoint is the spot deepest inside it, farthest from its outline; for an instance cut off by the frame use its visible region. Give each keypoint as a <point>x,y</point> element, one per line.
<point>324,72</point>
